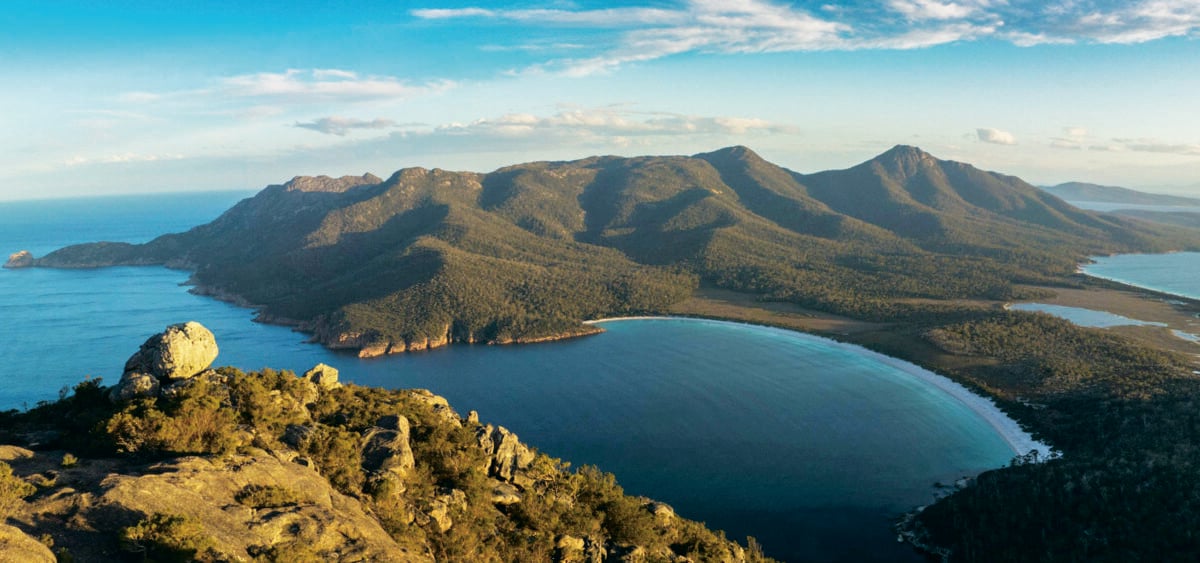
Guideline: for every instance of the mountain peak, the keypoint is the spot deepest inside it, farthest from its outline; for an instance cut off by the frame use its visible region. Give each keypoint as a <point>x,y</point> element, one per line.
<point>903,160</point>
<point>735,151</point>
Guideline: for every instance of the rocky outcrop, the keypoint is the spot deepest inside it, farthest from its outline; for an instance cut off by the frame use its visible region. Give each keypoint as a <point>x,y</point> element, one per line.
<point>323,376</point>
<point>21,259</point>
<point>16,545</point>
<point>177,354</point>
<point>386,447</point>
<point>508,456</point>
<point>322,520</point>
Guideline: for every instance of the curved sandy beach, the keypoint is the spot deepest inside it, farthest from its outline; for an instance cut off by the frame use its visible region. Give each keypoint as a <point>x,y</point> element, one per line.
<point>1019,440</point>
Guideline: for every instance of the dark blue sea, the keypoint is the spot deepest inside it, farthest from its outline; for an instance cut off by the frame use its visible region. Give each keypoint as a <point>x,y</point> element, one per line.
<point>812,447</point>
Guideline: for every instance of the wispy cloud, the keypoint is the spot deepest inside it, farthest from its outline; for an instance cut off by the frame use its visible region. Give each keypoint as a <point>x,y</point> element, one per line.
<point>995,136</point>
<point>610,122</point>
<point>1156,146</point>
<point>635,34</point>
<point>121,158</point>
<point>335,125</point>
<point>324,85</point>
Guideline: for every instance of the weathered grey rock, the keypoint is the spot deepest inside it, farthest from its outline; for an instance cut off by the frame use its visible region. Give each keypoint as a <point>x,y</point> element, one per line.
<point>133,385</point>
<point>505,494</point>
<point>296,435</point>
<point>438,404</point>
<point>472,417</point>
<point>16,545</point>
<point>386,446</point>
<point>510,455</point>
<point>332,525</point>
<point>629,554</point>
<point>440,508</point>
<point>22,259</point>
<point>179,352</point>
<point>324,376</point>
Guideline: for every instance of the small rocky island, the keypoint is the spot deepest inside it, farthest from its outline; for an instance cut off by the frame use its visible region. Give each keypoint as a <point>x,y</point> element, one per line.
<point>179,461</point>
<point>20,259</point>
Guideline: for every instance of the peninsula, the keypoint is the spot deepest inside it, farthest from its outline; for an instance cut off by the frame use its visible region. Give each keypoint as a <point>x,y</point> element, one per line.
<point>906,254</point>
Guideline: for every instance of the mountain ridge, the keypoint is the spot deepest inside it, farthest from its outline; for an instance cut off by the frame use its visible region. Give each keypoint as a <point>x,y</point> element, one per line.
<point>527,252</point>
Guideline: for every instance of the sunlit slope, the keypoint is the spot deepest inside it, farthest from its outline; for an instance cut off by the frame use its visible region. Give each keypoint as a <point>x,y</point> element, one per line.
<point>529,251</point>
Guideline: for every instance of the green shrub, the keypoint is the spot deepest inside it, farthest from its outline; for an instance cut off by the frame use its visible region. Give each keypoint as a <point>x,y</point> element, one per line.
<point>12,489</point>
<point>166,537</point>
<point>266,496</point>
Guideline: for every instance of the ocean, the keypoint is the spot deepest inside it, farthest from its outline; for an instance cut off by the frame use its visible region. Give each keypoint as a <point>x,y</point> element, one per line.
<point>811,446</point>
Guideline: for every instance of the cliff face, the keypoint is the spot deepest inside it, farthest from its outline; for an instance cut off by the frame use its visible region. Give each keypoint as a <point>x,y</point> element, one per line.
<point>232,466</point>
<point>525,253</point>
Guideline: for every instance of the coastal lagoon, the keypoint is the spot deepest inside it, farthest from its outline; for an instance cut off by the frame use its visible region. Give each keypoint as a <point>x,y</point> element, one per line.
<point>810,445</point>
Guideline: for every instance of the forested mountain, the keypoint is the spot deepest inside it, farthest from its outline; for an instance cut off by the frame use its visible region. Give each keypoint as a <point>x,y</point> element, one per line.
<point>527,252</point>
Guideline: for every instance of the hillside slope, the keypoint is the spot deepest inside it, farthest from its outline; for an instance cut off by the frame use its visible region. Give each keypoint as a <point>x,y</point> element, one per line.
<point>525,253</point>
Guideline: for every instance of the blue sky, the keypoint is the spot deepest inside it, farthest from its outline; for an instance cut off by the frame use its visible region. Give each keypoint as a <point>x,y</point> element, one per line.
<point>119,97</point>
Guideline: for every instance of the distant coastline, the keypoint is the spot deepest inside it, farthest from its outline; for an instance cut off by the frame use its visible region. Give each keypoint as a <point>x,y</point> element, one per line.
<point>1020,441</point>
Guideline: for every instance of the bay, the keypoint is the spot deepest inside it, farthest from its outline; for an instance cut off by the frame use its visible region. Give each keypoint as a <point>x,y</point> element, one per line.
<point>806,444</point>
<point>1177,273</point>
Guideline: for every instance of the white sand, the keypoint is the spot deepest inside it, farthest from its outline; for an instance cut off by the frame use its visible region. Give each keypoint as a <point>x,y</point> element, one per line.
<point>1019,440</point>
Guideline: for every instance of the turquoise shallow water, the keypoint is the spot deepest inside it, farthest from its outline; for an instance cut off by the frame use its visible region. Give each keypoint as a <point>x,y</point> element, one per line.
<point>808,446</point>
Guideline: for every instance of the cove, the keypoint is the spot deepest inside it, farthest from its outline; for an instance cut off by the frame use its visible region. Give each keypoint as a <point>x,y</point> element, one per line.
<point>811,446</point>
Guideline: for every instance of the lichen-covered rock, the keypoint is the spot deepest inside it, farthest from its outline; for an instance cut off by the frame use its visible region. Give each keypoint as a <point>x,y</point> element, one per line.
<point>330,524</point>
<point>386,446</point>
<point>510,455</point>
<point>133,385</point>
<point>22,259</point>
<point>16,545</point>
<point>324,376</point>
<point>442,505</point>
<point>179,352</point>
<point>505,494</point>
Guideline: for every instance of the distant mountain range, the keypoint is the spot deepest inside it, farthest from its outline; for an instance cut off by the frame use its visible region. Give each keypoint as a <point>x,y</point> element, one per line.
<point>525,253</point>
<point>1081,191</point>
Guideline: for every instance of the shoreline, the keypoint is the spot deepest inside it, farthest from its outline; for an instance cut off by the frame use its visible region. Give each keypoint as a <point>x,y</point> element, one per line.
<point>1018,440</point>
<point>1081,269</point>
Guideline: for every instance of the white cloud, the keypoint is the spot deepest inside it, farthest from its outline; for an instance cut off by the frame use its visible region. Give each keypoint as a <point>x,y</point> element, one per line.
<point>335,125</point>
<point>1075,132</point>
<point>752,26</point>
<point>995,136</point>
<point>610,122</point>
<point>121,158</point>
<point>324,85</point>
<point>1061,143</point>
<point>932,9</point>
<point>1157,146</point>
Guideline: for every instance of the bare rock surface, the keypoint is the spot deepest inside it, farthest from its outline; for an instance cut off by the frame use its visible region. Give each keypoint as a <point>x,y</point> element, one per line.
<point>325,521</point>
<point>21,259</point>
<point>18,546</point>
<point>179,352</point>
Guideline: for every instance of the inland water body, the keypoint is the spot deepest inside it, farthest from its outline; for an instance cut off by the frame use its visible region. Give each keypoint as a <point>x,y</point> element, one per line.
<point>813,447</point>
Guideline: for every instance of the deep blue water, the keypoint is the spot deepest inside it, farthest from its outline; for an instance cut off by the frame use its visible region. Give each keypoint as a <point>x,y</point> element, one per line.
<point>810,447</point>
<point>1177,273</point>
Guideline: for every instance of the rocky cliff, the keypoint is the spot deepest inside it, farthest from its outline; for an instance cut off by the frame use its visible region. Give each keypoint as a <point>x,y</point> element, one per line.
<point>221,465</point>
